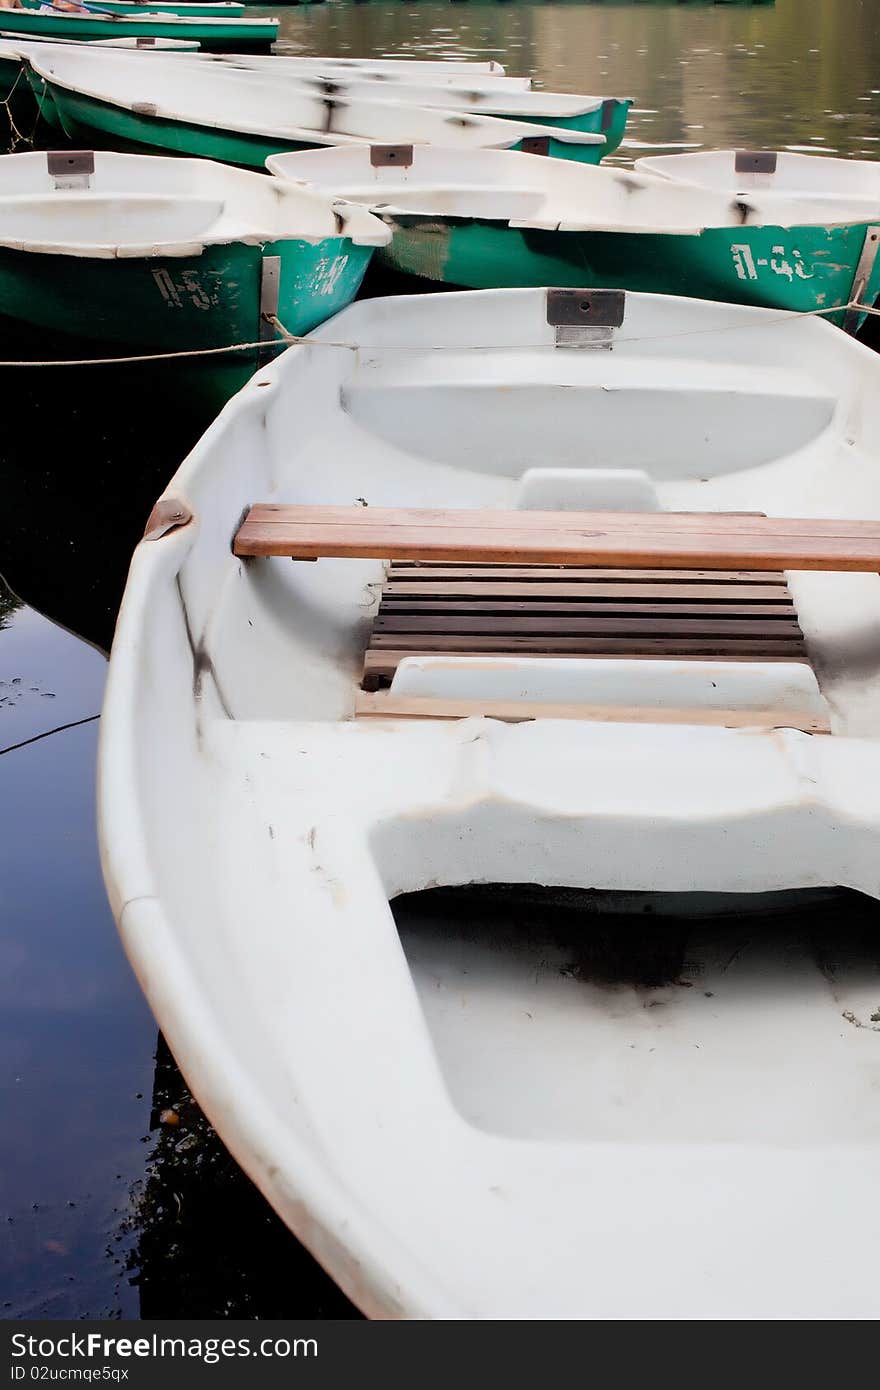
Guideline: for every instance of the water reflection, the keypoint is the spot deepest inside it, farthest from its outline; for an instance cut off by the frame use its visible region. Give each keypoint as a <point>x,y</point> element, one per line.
<point>203,1242</point>
<point>75,1033</point>
<point>85,453</point>
<point>719,75</point>
<point>104,1210</point>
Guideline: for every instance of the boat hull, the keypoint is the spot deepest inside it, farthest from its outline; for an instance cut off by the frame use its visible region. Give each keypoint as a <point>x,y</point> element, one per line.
<point>120,306</point>
<point>184,10</point>
<point>82,117</point>
<point>216,36</point>
<point>557,1092</point>
<point>609,120</point>
<point>211,9</point>
<point>796,268</point>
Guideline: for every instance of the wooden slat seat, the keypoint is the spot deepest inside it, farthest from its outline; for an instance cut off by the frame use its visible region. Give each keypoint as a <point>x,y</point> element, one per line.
<point>651,586</point>
<point>676,540</point>
<point>580,612</point>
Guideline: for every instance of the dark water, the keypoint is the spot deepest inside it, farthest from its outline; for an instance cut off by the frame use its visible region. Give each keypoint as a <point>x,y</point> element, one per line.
<point>790,74</point>
<point>104,1209</point>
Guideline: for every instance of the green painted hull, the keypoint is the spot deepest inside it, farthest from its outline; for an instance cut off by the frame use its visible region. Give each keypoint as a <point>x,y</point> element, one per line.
<point>83,118</point>
<point>235,37</point>
<point>182,9</point>
<point>610,122</point>
<point>797,268</point>
<point>179,7</point>
<point>560,149</point>
<point>122,307</point>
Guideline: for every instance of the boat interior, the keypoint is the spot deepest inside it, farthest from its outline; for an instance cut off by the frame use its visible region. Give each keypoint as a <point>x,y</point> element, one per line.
<point>783,171</point>
<point>110,204</point>
<point>495,99</point>
<point>528,190</point>
<point>726,743</point>
<point>446,70</point>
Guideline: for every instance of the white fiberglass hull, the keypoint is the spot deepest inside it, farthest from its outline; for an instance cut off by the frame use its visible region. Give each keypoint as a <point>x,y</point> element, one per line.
<point>788,172</point>
<point>460,1124</point>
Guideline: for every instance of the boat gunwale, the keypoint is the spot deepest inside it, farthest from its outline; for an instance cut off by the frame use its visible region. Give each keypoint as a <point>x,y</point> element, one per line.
<point>402,216</point>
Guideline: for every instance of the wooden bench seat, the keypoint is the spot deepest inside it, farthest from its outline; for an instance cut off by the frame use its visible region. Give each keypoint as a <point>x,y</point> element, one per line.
<point>667,540</point>
<point>651,586</point>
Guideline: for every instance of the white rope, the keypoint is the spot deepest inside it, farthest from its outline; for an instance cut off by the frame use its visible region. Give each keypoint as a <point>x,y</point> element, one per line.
<point>292,339</point>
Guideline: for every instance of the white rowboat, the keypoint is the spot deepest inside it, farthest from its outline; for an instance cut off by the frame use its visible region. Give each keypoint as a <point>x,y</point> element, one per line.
<point>460,1121</point>
<point>798,175</point>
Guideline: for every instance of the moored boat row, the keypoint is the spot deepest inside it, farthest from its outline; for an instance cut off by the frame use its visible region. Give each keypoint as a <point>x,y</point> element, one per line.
<point>243,117</point>
<point>484,218</point>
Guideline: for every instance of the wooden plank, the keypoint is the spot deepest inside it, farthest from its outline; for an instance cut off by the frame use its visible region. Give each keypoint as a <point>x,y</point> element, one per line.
<point>661,627</point>
<point>386,706</point>
<point>525,591</point>
<point>509,609</point>
<point>708,540</point>
<point>276,518</point>
<point>635,645</point>
<point>423,571</point>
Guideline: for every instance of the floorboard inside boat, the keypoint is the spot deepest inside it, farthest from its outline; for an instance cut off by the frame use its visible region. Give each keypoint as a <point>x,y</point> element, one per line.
<point>555,1017</point>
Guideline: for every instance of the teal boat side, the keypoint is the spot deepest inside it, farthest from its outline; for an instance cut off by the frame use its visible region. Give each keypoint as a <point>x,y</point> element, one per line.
<point>796,268</point>
<point>317,279</point>
<point>186,9</point>
<point>180,303</point>
<point>180,7</point>
<point>155,304</point>
<point>234,35</point>
<point>562,149</point>
<point>609,120</point>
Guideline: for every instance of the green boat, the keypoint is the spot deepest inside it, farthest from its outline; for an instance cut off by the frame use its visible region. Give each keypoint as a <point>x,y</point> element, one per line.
<point>488,219</point>
<point>20,110</point>
<point>214,35</point>
<point>609,118</point>
<point>123,255</point>
<point>210,9</point>
<point>241,117</point>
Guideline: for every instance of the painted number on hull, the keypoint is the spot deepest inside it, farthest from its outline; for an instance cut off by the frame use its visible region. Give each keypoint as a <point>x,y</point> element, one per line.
<point>188,286</point>
<point>779,262</point>
<point>327,273</point>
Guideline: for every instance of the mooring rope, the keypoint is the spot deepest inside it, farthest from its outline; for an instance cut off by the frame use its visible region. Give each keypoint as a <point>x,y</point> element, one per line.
<point>288,339</point>
<point>59,729</point>
<point>17,137</point>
